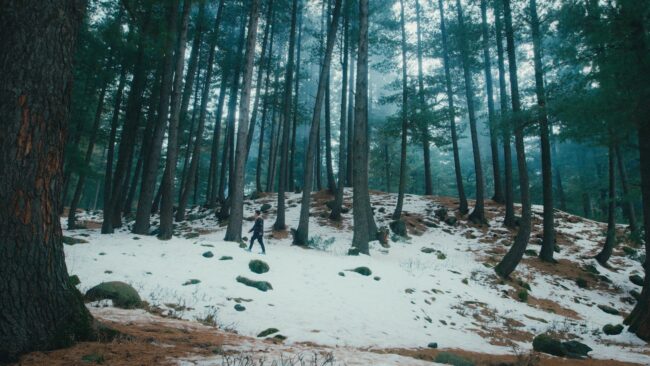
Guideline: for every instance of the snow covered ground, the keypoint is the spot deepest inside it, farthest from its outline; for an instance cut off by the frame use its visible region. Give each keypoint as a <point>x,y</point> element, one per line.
<point>435,287</point>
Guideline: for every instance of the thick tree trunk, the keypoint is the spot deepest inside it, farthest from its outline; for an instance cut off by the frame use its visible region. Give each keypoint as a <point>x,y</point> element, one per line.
<point>301,235</point>
<point>280,223</point>
<point>462,198</point>
<point>292,181</point>
<point>509,218</point>
<point>627,201</point>
<point>127,141</point>
<point>89,154</point>
<point>478,214</point>
<point>426,151</point>
<point>362,216</point>
<point>494,146</point>
<point>351,111</point>
<point>610,239</point>
<point>167,199</point>
<point>265,108</point>
<point>150,170</point>
<point>40,309</point>
<point>214,153</point>
<point>338,201</point>
<point>233,232</point>
<point>192,65</point>
<point>115,119</point>
<point>548,236</point>
<point>397,214</point>
<point>198,138</point>
<point>516,252</point>
<point>331,183</point>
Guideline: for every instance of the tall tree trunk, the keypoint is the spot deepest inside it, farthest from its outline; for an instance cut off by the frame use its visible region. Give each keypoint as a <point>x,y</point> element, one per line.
<point>610,239</point>
<point>397,214</point>
<point>270,171</point>
<point>463,207</point>
<point>41,308</point>
<point>478,214</point>
<point>167,200</point>
<point>192,65</point>
<point>233,232</point>
<point>198,138</point>
<point>89,154</point>
<point>338,201</point>
<point>362,216</point>
<point>214,154</point>
<point>426,150</point>
<point>494,146</point>
<point>128,204</point>
<point>627,201</point>
<point>280,223</point>
<point>292,182</point>
<point>509,219</point>
<point>150,171</point>
<point>190,132</point>
<point>548,238</point>
<point>301,235</point>
<point>115,119</point>
<point>351,111</point>
<point>265,108</point>
<point>331,183</point>
<point>260,75</point>
<point>127,141</point>
<point>513,257</point>
<point>558,177</point>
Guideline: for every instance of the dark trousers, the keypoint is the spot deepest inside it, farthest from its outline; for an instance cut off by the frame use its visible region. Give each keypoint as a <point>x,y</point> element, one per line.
<point>260,239</point>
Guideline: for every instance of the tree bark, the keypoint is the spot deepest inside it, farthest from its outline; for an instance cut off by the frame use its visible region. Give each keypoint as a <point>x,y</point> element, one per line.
<point>516,252</point>
<point>397,214</point>
<point>509,218</point>
<point>233,232</point>
<point>214,154</point>
<point>548,236</point>
<point>167,200</point>
<point>198,138</point>
<point>301,235</point>
<point>478,214</point>
<point>627,201</point>
<point>494,146</point>
<point>292,182</point>
<point>426,151</point>
<point>462,198</point>
<point>40,309</point>
<point>610,239</point>
<point>280,223</point>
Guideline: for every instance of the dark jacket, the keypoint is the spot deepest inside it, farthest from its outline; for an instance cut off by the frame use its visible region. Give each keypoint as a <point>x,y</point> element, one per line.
<point>258,227</point>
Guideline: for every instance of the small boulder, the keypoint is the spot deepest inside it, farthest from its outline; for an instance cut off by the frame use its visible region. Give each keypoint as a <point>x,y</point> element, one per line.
<point>192,281</point>
<point>265,207</point>
<point>258,266</point>
<point>441,213</point>
<point>225,258</point>
<point>433,345</point>
<point>260,285</point>
<point>637,280</point>
<point>547,344</point>
<point>123,295</point>
<point>240,307</point>
<point>610,329</point>
<point>208,254</point>
<point>427,250</point>
<point>399,227</point>
<point>576,349</point>
<point>608,309</point>
<point>267,332</point>
<point>364,271</point>
<point>451,221</point>
<point>353,251</point>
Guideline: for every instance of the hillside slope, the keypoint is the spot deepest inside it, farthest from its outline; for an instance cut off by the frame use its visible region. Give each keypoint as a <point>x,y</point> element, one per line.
<point>438,285</point>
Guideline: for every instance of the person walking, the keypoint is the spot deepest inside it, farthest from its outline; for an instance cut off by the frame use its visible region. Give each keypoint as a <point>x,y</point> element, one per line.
<point>258,232</point>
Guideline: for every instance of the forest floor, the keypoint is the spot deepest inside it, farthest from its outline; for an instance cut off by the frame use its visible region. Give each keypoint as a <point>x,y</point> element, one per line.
<point>438,285</point>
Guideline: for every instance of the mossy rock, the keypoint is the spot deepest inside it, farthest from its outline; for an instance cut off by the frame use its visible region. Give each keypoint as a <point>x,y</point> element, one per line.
<point>208,254</point>
<point>260,285</point>
<point>433,345</point>
<point>576,349</point>
<point>72,241</point>
<point>452,359</point>
<point>265,207</point>
<point>398,227</point>
<point>637,280</point>
<point>610,329</point>
<point>451,221</point>
<point>581,282</point>
<point>267,332</point>
<point>225,258</point>
<point>427,250</point>
<point>258,266</point>
<point>547,344</point>
<point>123,295</point>
<point>523,295</point>
<point>192,235</point>
<point>531,252</point>
<point>608,309</point>
<point>240,307</point>
<point>279,337</point>
<point>441,213</point>
<point>364,271</point>
<point>192,281</point>
<point>377,278</point>
<point>341,274</point>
